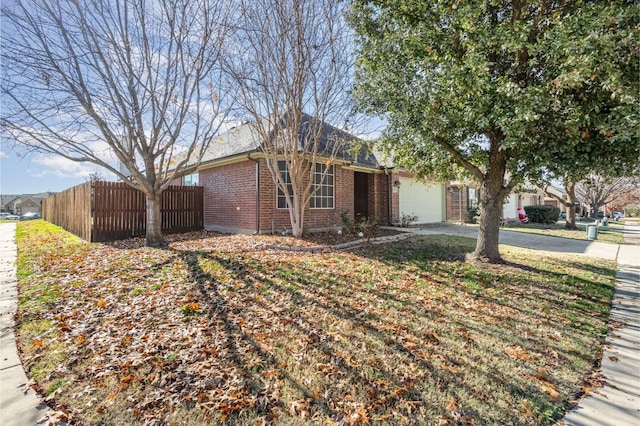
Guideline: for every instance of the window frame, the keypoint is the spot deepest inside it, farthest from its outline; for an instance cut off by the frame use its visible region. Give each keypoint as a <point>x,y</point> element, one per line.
<point>191,182</point>
<point>323,191</point>
<point>283,170</point>
<point>323,187</point>
<point>472,199</point>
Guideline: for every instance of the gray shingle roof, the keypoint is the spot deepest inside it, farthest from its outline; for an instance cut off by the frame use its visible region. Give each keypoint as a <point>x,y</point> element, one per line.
<point>243,140</point>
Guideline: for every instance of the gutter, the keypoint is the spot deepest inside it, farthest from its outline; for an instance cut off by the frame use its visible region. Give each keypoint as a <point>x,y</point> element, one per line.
<point>257,192</point>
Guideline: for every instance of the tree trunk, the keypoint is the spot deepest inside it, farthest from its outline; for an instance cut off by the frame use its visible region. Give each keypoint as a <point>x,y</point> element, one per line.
<point>570,189</point>
<point>569,203</point>
<point>296,214</point>
<point>489,231</point>
<point>154,221</point>
<point>491,197</point>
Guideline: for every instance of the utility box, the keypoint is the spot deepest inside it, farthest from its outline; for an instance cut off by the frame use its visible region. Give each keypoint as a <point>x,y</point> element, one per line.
<point>592,232</point>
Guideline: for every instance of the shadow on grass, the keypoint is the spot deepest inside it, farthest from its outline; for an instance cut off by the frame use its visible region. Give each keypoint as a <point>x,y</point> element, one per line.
<point>401,331</point>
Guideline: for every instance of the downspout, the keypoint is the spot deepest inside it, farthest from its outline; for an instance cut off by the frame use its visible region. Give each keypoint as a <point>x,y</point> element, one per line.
<point>257,193</point>
<point>390,191</point>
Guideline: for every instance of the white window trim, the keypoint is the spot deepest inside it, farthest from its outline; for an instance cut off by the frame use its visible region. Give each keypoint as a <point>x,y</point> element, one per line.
<point>278,190</point>
<point>332,197</point>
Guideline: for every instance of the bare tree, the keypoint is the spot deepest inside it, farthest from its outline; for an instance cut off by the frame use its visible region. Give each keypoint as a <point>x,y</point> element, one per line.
<point>133,86</point>
<point>627,199</point>
<point>597,191</point>
<point>94,177</point>
<point>294,76</point>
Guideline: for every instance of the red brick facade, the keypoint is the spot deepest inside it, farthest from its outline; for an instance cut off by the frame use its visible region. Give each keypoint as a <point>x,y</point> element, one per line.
<point>230,199</point>
<point>458,204</point>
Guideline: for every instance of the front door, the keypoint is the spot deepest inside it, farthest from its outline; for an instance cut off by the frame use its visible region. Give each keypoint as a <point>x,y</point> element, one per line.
<point>361,194</point>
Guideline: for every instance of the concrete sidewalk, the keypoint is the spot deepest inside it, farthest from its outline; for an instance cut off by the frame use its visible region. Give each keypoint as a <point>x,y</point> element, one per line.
<point>19,404</point>
<point>617,403</point>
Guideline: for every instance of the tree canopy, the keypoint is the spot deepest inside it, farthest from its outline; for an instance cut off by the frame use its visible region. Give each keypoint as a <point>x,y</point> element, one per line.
<point>592,120</point>
<point>134,87</point>
<point>492,87</point>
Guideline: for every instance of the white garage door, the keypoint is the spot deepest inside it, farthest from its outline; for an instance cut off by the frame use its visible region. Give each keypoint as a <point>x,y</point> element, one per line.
<point>421,200</point>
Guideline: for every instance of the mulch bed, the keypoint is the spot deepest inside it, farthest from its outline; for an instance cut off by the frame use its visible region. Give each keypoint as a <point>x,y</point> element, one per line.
<point>308,240</point>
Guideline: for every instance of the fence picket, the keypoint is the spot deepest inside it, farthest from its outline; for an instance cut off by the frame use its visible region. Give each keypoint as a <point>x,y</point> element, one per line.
<point>109,211</point>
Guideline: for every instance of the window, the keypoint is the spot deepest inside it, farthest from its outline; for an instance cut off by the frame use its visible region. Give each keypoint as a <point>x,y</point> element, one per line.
<point>191,180</point>
<point>284,172</point>
<point>472,194</point>
<point>322,180</point>
<point>322,196</point>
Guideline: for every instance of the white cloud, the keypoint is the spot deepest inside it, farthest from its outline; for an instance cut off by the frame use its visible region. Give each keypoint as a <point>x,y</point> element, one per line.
<point>54,165</point>
<point>2,154</point>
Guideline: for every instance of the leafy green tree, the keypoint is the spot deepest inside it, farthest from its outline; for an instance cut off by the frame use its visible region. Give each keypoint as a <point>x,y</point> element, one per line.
<point>591,124</point>
<point>471,86</point>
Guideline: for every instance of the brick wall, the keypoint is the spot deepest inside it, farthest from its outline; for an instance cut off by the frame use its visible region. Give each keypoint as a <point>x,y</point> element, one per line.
<point>379,197</point>
<point>230,197</point>
<point>278,219</point>
<point>458,202</point>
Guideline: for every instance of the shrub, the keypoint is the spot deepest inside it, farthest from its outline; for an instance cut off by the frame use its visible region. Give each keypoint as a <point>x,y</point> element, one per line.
<point>633,211</point>
<point>407,219</point>
<point>347,225</point>
<point>543,214</point>
<point>368,226</point>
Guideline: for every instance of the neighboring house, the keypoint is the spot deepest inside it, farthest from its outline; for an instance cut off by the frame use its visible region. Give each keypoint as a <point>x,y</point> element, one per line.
<point>29,205</point>
<point>10,203</point>
<point>23,204</point>
<point>240,194</point>
<point>462,201</point>
<point>550,201</point>
<point>531,196</point>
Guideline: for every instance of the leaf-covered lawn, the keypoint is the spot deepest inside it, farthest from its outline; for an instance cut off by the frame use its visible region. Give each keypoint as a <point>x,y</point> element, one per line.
<point>222,329</point>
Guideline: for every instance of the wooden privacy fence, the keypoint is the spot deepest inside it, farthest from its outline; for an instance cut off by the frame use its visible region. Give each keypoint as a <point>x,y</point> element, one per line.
<point>109,211</point>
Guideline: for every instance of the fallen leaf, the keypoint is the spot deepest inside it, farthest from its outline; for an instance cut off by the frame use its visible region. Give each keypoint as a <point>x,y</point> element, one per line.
<point>554,395</point>
<point>453,405</point>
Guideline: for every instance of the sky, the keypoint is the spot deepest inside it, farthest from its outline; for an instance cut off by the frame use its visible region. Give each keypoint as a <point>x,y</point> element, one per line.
<point>35,173</point>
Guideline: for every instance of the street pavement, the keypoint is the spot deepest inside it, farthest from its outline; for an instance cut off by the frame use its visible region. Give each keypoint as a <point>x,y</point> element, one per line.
<point>616,403</point>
